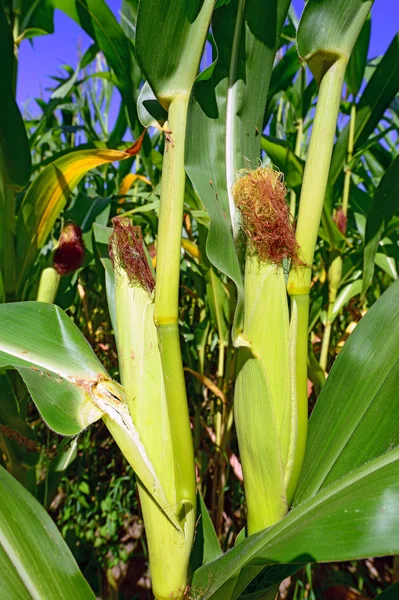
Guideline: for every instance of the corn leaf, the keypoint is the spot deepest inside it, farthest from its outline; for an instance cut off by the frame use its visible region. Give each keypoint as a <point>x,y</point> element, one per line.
<point>56,362</point>
<point>170,65</point>
<point>211,549</point>
<point>46,197</point>
<point>65,87</point>
<point>323,528</point>
<point>282,77</point>
<point>286,160</point>
<point>328,30</point>
<point>358,60</point>
<point>15,162</point>
<point>226,116</point>
<point>35,561</point>
<point>69,385</point>
<point>390,593</point>
<point>387,264</point>
<point>36,18</point>
<point>356,417</point>
<point>383,207</point>
<point>345,294</point>
<point>376,98</point>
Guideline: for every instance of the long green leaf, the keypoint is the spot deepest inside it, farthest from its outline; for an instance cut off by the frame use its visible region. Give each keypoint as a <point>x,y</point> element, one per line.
<point>13,139</point>
<point>36,17</point>
<point>35,561</point>
<point>170,65</point>
<point>356,417</point>
<point>282,78</point>
<point>55,361</point>
<point>356,517</point>
<point>226,117</point>
<point>358,60</point>
<point>383,207</point>
<point>211,546</point>
<point>345,294</point>
<point>328,30</point>
<point>390,593</point>
<point>376,98</point>
<point>68,383</point>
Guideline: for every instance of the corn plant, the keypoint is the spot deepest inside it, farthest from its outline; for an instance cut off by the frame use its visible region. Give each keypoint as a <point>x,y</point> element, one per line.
<point>327,494</point>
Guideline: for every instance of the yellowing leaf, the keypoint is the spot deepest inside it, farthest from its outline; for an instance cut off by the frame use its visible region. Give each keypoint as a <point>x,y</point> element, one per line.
<point>129,180</point>
<point>47,195</point>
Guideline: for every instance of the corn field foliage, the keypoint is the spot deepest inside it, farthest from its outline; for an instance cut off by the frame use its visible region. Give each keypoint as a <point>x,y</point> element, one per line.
<point>199,306</point>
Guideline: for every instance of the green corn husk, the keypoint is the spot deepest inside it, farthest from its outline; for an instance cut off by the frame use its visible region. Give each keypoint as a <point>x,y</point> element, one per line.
<point>141,373</point>
<point>262,403</point>
<point>265,404</point>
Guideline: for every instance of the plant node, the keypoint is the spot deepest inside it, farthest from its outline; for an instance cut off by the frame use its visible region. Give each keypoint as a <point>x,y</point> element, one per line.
<point>126,250</point>
<point>260,197</point>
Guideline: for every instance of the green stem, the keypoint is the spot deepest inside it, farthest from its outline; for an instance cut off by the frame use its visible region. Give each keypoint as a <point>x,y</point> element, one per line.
<point>167,297</point>
<point>310,209</point>
<point>334,280</point>
<point>142,378</point>
<point>48,285</point>
<point>348,172</point>
<point>15,31</point>
<point>335,270</point>
<point>298,144</point>
<point>299,379</point>
<point>220,370</point>
<point>316,174</point>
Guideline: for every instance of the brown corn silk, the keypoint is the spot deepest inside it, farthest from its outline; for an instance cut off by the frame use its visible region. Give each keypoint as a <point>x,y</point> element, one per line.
<point>266,221</point>
<point>126,250</point>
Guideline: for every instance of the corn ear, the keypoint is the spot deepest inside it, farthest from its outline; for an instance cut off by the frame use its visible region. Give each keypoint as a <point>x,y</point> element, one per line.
<point>169,546</point>
<point>264,415</point>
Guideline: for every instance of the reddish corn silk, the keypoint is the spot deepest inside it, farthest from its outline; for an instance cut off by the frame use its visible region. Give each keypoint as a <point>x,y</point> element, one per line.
<point>69,253</point>
<point>266,221</point>
<point>126,250</point>
<point>341,220</point>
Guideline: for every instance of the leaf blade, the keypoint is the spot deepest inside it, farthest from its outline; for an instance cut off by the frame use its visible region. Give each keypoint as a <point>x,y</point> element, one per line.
<point>322,528</point>
<point>47,196</point>
<point>352,424</point>
<point>34,547</point>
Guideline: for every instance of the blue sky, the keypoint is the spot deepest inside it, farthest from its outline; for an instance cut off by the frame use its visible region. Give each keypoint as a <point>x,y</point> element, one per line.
<point>49,53</point>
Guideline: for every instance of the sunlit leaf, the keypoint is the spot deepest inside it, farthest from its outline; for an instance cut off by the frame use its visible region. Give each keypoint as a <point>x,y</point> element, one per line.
<point>35,561</point>
<point>356,417</point>
<point>170,65</point>
<point>363,505</point>
<point>328,30</point>
<point>47,196</point>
